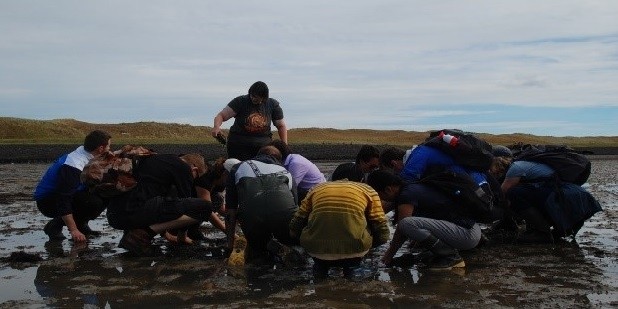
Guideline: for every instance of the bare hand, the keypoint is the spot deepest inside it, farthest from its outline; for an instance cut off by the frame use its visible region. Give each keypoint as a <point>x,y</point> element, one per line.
<point>78,236</point>
<point>215,132</point>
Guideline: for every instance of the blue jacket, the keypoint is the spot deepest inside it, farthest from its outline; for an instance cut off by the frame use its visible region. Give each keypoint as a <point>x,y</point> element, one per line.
<point>62,179</point>
<point>423,157</point>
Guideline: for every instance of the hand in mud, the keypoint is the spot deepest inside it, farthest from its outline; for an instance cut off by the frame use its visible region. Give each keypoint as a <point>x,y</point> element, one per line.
<point>181,238</point>
<point>77,248</point>
<point>387,260</point>
<point>77,236</point>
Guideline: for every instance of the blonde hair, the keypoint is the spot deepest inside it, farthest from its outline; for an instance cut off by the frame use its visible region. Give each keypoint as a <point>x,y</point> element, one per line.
<point>196,160</point>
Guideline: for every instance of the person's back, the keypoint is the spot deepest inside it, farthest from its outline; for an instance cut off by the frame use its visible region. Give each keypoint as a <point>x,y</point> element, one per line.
<point>425,159</point>
<point>164,175</point>
<point>263,189</point>
<point>349,171</point>
<point>304,172</point>
<point>260,193</point>
<point>338,222</point>
<point>529,171</point>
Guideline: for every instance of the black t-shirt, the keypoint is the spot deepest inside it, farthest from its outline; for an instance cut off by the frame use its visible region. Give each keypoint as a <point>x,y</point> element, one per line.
<point>351,171</point>
<point>254,119</point>
<point>158,175</point>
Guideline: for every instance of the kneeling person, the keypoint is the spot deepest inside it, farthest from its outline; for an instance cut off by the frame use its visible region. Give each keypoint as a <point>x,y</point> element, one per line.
<point>163,199</point>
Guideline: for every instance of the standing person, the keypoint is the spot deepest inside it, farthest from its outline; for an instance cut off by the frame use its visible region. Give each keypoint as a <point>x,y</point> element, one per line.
<point>337,223</point>
<point>60,195</point>
<point>253,114</point>
<point>367,160</point>
<point>164,199</point>
<point>305,173</point>
<point>261,195</point>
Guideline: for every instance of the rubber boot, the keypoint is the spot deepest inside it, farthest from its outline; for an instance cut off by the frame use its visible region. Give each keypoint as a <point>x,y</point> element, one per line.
<point>446,257</point>
<point>538,230</point>
<point>195,233</point>
<point>85,229</point>
<point>53,229</point>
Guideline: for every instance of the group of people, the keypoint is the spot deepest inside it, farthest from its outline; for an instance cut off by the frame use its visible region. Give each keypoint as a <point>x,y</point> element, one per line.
<point>281,199</point>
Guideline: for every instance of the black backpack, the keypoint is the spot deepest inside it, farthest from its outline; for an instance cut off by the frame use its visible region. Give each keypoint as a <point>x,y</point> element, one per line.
<point>478,201</point>
<point>469,151</point>
<point>570,166</point>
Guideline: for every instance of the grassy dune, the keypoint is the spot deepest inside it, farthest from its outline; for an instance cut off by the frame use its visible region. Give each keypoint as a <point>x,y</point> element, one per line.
<point>70,131</point>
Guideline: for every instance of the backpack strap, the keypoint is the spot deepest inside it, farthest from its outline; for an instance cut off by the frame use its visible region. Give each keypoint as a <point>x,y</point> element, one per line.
<point>254,168</point>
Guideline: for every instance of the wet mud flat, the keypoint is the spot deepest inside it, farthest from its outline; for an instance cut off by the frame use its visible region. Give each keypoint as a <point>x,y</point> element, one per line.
<point>36,273</point>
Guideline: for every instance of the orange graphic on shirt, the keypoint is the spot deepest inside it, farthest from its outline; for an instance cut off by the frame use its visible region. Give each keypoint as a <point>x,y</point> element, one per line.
<point>256,123</point>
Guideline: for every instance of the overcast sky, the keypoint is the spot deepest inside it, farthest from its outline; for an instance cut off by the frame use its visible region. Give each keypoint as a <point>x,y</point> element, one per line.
<point>539,67</point>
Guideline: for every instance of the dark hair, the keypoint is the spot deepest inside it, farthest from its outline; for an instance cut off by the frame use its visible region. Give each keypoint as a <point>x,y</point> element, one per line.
<point>271,151</point>
<point>95,139</point>
<point>283,148</point>
<point>389,154</point>
<point>213,173</point>
<point>380,179</point>
<point>366,153</point>
<point>259,89</point>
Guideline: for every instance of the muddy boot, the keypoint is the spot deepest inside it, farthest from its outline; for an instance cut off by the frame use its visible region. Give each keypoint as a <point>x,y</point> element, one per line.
<point>538,230</point>
<point>446,257</point>
<point>137,242</point>
<point>288,255</point>
<point>86,230</point>
<point>320,271</point>
<point>53,229</point>
<point>195,233</point>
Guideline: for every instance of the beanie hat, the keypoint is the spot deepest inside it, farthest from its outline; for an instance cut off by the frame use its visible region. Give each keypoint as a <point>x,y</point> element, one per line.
<point>501,151</point>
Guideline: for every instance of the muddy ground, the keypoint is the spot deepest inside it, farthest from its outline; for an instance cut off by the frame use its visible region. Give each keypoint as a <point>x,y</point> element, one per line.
<point>581,273</point>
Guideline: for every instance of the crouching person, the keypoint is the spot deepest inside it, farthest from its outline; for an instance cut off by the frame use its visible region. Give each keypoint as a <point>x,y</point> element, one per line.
<point>61,196</point>
<point>434,222</point>
<point>261,196</point>
<point>163,199</point>
<point>337,223</point>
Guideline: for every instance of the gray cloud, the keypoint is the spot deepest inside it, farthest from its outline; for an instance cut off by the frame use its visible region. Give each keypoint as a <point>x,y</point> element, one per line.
<point>331,64</point>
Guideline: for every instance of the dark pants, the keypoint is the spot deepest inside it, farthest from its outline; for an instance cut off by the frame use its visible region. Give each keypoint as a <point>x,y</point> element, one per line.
<point>259,230</point>
<point>531,195</point>
<point>85,207</point>
<point>158,210</point>
<point>245,147</point>
<point>321,267</point>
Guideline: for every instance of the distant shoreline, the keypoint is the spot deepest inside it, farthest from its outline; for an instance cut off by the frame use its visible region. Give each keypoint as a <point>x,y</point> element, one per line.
<point>48,153</point>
